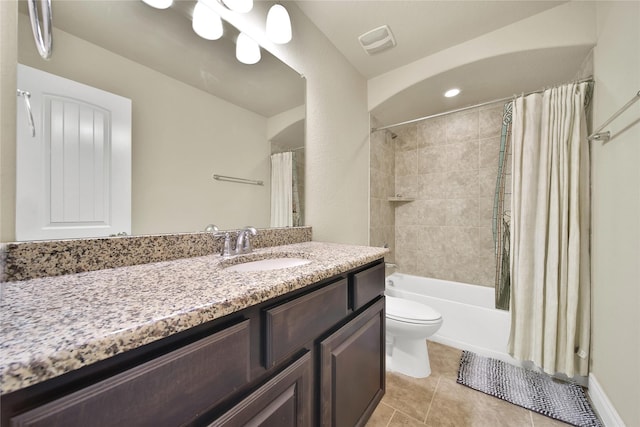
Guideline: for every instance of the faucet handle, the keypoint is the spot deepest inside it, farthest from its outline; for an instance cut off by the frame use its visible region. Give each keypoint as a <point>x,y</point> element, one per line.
<point>226,247</point>
<point>251,230</point>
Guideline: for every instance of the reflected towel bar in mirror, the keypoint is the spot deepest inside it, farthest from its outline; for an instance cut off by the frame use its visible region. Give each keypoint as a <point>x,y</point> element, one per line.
<point>238,180</point>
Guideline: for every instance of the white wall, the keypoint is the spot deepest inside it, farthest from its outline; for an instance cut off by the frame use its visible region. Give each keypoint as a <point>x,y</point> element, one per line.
<point>571,24</point>
<point>337,126</point>
<point>616,212</point>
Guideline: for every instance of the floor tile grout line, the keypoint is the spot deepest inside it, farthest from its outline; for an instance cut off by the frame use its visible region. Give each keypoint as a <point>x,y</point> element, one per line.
<point>391,417</point>
<point>432,399</point>
<point>406,415</point>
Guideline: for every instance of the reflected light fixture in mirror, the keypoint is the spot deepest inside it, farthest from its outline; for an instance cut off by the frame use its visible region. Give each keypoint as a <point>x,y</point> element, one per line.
<point>278,25</point>
<point>159,4</point>
<point>247,50</point>
<point>206,22</point>
<point>240,6</point>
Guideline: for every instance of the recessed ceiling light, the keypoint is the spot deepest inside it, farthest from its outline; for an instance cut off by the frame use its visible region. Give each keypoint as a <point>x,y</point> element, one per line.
<point>452,92</point>
<point>159,4</point>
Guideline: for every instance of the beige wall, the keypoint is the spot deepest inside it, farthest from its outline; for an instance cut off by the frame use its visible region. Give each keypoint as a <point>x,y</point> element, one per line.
<point>8,52</point>
<point>616,212</point>
<point>337,129</point>
<point>337,126</point>
<point>570,24</point>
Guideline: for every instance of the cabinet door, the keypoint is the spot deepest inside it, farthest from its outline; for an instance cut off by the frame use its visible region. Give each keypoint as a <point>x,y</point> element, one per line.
<point>291,325</point>
<point>352,369</point>
<point>169,390</point>
<point>283,401</point>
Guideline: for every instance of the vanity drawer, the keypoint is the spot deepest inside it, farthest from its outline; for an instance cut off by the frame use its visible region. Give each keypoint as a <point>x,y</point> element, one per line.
<point>367,285</point>
<point>290,325</point>
<point>169,390</point>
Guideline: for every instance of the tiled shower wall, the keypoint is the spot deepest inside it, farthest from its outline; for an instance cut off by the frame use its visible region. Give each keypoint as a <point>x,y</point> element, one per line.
<point>448,165</point>
<point>382,185</point>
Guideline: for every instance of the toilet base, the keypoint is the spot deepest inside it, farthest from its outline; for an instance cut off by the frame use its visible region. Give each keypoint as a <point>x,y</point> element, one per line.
<point>409,357</point>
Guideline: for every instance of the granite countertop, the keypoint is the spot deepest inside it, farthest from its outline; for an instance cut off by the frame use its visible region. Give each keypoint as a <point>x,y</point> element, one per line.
<point>54,325</point>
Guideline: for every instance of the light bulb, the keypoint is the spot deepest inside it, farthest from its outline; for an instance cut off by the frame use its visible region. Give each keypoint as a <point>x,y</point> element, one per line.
<point>206,23</point>
<point>452,92</point>
<point>241,6</point>
<point>159,4</point>
<point>278,25</point>
<point>247,50</point>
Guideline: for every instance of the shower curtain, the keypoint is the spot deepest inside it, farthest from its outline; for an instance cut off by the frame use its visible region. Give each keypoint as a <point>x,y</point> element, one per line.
<point>550,279</point>
<point>282,189</point>
<point>502,213</point>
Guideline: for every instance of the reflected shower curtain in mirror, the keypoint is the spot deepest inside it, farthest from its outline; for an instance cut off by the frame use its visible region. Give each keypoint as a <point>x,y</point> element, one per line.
<point>550,278</point>
<point>282,189</point>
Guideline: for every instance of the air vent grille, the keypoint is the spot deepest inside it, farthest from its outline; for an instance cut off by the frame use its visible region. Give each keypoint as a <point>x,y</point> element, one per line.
<point>377,40</point>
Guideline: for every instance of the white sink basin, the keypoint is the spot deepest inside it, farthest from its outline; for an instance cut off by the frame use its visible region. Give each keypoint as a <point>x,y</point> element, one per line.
<point>267,264</point>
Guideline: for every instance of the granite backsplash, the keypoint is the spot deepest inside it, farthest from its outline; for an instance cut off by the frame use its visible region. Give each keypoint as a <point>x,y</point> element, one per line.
<point>31,260</point>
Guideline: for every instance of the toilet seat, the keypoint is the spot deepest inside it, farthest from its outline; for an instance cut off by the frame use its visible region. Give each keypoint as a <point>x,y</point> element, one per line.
<point>408,311</point>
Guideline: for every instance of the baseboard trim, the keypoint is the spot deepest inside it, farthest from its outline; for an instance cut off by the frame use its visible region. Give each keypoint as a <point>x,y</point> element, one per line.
<point>602,405</point>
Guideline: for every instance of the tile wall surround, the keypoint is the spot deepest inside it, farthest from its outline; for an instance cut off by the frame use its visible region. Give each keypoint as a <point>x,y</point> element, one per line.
<point>30,260</point>
<point>449,165</point>
<point>382,185</point>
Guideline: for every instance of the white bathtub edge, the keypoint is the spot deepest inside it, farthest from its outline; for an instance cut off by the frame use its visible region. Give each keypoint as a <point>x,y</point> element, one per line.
<point>603,406</point>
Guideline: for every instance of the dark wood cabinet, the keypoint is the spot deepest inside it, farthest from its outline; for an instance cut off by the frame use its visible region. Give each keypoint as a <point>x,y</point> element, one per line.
<point>312,357</point>
<point>283,401</point>
<point>289,325</point>
<point>367,285</point>
<point>352,369</point>
<point>198,376</point>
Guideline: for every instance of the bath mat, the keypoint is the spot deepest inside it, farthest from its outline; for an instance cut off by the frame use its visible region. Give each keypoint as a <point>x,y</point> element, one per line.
<point>537,392</point>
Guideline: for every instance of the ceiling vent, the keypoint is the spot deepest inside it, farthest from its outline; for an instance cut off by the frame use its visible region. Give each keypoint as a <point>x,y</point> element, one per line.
<point>377,40</point>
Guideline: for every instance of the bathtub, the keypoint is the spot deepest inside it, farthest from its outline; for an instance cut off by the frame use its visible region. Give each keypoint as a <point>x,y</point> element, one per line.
<point>470,321</point>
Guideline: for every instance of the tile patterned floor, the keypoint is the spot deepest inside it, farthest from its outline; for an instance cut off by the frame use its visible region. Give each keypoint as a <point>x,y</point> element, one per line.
<point>438,401</point>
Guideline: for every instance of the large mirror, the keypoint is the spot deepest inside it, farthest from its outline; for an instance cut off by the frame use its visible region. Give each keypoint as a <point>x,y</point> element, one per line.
<point>196,110</point>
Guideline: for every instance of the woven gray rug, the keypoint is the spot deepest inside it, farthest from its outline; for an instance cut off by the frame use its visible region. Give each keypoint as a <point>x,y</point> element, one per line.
<point>537,392</point>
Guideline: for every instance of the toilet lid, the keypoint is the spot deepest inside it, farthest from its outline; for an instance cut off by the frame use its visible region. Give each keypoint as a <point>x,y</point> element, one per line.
<point>411,311</point>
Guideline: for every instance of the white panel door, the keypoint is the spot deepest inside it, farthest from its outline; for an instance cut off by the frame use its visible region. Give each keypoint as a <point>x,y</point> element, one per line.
<point>74,176</point>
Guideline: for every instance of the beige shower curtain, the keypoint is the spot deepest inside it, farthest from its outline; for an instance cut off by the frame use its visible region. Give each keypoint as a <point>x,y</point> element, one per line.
<point>550,297</point>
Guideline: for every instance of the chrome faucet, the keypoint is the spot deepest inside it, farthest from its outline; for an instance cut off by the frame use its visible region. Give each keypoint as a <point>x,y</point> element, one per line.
<point>243,244</point>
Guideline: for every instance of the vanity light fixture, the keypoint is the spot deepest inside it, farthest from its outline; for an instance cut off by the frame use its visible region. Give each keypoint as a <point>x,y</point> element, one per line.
<point>240,6</point>
<point>159,4</point>
<point>278,25</point>
<point>452,92</point>
<point>206,22</point>
<point>247,50</point>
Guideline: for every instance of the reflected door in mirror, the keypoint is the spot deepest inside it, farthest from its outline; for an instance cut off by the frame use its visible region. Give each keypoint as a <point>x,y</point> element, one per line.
<point>74,174</point>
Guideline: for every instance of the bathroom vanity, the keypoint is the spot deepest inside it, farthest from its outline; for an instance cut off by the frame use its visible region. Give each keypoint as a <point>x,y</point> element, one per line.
<point>299,346</point>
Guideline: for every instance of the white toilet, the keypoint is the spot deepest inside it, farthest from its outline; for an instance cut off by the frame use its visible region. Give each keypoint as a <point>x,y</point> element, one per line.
<point>409,323</point>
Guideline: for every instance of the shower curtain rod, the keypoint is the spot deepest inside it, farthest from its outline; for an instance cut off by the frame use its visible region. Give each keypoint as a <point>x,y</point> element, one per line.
<point>482,104</point>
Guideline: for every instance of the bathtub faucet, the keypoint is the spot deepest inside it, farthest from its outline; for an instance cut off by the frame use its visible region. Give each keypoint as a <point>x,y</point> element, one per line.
<point>243,244</point>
